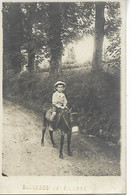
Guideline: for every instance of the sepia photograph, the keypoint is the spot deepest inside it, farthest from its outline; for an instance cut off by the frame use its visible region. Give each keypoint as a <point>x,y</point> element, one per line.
<point>63,97</point>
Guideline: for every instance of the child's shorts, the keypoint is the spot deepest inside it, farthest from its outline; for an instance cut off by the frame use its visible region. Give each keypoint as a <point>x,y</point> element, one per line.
<point>57,110</point>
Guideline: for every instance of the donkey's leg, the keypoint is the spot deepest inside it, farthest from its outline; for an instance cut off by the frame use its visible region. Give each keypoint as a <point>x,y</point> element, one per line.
<point>68,143</point>
<point>44,128</point>
<point>61,145</point>
<point>52,140</point>
<point>42,140</point>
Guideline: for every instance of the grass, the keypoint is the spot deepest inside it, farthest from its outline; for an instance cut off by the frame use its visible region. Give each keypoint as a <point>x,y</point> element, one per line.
<point>95,96</point>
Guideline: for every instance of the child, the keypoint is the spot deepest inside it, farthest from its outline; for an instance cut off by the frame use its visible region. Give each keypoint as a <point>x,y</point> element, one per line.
<point>59,100</point>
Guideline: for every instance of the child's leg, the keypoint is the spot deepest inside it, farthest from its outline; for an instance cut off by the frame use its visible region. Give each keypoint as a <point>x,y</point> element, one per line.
<point>54,109</point>
<point>52,116</point>
<point>51,126</point>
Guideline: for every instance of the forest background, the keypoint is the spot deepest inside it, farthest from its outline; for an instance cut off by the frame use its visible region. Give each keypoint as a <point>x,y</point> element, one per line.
<point>39,48</point>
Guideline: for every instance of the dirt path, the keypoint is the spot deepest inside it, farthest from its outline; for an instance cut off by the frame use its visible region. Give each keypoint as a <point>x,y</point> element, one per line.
<point>22,153</point>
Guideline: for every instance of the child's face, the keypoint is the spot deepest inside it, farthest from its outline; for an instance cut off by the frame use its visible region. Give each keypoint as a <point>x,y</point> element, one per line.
<point>60,88</point>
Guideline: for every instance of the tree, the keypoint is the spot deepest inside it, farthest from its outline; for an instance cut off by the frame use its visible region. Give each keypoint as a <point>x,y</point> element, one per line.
<point>12,36</point>
<point>57,24</point>
<point>29,19</point>
<point>49,27</point>
<point>108,24</point>
<point>66,24</point>
<point>54,36</point>
<point>46,28</point>
<point>77,21</point>
<point>99,36</point>
<point>112,31</point>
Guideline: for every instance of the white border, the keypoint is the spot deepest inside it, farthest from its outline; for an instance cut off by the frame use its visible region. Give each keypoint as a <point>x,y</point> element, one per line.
<point>93,185</point>
<point>128,96</point>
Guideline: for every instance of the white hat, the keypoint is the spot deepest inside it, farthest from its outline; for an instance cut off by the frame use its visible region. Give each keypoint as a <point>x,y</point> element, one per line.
<point>59,83</point>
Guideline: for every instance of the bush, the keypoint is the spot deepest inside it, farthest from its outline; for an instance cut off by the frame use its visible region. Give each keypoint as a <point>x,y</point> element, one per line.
<point>96,97</point>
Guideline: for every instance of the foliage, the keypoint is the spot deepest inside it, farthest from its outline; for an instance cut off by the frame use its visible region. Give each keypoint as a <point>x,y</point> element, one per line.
<point>66,22</point>
<point>12,36</point>
<point>34,26</point>
<point>77,21</point>
<point>112,31</point>
<point>95,97</point>
<point>33,32</point>
<point>112,19</point>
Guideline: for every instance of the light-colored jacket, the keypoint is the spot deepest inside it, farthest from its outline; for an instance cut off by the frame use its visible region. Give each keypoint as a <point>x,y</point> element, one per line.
<point>59,99</point>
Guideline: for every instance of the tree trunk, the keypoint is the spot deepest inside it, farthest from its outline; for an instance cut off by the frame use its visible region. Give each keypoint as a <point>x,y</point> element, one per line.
<point>30,49</point>
<point>12,37</point>
<point>16,60</point>
<point>54,38</point>
<point>31,58</point>
<point>99,36</point>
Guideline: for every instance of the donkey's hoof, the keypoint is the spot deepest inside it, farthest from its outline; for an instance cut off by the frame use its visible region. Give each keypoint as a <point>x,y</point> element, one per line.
<point>70,154</point>
<point>61,156</point>
<point>42,144</point>
<point>54,145</point>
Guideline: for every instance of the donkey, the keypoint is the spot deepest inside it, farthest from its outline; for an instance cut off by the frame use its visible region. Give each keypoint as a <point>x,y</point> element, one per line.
<point>63,123</point>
